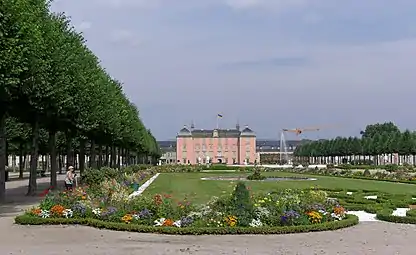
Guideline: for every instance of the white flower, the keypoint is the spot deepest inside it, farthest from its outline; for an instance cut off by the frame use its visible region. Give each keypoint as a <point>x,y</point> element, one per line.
<point>177,223</point>
<point>323,212</point>
<point>261,212</point>
<point>159,222</point>
<point>68,213</point>
<point>44,214</point>
<point>336,216</point>
<point>136,216</point>
<point>97,212</point>
<point>256,223</point>
<point>195,214</point>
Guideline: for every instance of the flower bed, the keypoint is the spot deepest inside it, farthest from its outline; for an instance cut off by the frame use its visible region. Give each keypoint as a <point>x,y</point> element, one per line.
<point>108,205</point>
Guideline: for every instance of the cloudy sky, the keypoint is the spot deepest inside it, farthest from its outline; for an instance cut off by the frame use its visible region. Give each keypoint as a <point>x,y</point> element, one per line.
<point>270,64</point>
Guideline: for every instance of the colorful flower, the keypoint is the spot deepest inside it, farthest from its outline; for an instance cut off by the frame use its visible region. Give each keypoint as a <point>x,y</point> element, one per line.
<point>168,223</point>
<point>57,210</point>
<point>159,222</point>
<point>314,217</point>
<point>68,213</point>
<point>127,218</point>
<point>231,221</point>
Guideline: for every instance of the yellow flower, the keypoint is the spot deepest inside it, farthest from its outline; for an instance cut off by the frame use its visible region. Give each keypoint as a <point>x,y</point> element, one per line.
<point>127,218</point>
<point>231,221</point>
<point>314,217</point>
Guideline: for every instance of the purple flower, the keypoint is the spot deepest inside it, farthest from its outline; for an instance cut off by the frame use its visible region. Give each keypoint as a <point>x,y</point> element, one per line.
<point>186,221</point>
<point>288,217</point>
<point>79,208</point>
<point>110,211</point>
<point>145,213</point>
<point>315,207</point>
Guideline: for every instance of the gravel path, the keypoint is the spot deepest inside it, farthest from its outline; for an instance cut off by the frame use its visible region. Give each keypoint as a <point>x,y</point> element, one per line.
<point>367,238</point>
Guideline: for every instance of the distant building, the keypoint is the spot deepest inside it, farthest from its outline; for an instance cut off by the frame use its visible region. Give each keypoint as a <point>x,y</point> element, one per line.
<point>267,151</point>
<point>226,146</point>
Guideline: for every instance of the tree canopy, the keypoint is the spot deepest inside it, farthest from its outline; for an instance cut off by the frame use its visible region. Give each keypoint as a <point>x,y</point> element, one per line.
<point>376,139</point>
<point>55,96</point>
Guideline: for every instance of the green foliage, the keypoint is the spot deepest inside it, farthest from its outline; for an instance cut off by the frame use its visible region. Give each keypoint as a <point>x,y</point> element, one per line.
<point>411,213</point>
<point>241,204</point>
<point>55,93</point>
<point>94,176</point>
<point>386,215</point>
<point>256,175</point>
<point>377,139</point>
<point>349,221</point>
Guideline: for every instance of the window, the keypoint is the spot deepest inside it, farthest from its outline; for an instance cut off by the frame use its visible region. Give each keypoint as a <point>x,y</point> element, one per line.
<point>197,147</point>
<point>184,160</point>
<point>204,147</point>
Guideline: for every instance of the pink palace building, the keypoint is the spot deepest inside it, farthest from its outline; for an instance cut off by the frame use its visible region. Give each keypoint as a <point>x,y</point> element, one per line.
<point>223,146</point>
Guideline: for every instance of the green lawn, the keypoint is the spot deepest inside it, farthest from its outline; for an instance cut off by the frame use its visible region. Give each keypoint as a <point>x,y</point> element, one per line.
<point>190,185</point>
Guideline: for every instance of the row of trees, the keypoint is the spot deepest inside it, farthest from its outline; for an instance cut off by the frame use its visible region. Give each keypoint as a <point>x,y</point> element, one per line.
<point>376,139</point>
<point>56,98</point>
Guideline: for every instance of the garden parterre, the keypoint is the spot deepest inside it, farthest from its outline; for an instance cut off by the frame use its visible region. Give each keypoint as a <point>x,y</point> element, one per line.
<point>109,202</point>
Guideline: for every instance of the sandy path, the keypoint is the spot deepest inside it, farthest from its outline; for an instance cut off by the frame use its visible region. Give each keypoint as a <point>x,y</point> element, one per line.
<point>367,238</point>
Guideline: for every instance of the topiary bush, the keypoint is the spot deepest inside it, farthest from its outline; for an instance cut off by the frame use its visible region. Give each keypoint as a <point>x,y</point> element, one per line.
<point>256,175</point>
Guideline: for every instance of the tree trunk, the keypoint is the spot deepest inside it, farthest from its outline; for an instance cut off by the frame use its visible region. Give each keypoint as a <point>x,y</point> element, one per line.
<point>93,155</point>
<point>118,158</point>
<point>106,156</point>
<point>69,155</point>
<point>113,156</point>
<point>100,156</point>
<point>54,163</point>
<point>2,157</point>
<point>60,163</point>
<point>33,160</point>
<point>81,156</point>
<point>21,161</point>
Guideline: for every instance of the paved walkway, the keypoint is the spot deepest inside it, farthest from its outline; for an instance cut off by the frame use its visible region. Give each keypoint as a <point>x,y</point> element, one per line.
<point>367,238</point>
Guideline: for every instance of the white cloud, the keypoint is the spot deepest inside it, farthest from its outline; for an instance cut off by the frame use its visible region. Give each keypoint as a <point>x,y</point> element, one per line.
<point>145,4</point>
<point>126,37</point>
<point>83,26</point>
<point>275,4</point>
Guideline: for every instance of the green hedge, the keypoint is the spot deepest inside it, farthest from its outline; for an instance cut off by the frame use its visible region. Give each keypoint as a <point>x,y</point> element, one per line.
<point>385,215</point>
<point>25,219</point>
<point>354,177</point>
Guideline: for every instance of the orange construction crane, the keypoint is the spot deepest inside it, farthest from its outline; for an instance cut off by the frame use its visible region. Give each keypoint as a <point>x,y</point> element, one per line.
<point>299,131</point>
